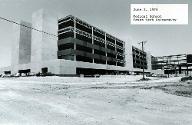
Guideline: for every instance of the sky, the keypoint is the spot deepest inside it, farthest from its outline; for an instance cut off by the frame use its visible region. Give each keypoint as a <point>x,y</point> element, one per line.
<point>110,15</point>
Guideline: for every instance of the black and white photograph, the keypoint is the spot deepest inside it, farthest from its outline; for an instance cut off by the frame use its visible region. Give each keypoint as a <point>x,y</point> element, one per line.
<point>95,62</point>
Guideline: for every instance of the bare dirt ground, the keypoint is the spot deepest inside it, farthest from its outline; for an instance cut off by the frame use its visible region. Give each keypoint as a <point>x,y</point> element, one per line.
<point>95,101</point>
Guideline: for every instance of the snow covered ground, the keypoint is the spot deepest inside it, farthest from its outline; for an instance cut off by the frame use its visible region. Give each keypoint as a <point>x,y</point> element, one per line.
<point>108,100</point>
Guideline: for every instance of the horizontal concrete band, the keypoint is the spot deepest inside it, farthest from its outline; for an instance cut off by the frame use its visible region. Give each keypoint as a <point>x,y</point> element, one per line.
<point>89,55</point>
<point>86,44</point>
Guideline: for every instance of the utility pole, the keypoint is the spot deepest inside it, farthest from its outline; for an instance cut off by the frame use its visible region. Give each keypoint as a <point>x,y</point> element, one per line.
<point>142,44</point>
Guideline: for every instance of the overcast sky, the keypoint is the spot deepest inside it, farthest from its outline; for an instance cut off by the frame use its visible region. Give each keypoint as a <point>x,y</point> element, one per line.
<point>110,15</point>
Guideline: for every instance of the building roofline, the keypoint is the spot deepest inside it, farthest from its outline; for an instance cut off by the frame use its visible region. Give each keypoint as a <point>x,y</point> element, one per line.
<point>93,27</point>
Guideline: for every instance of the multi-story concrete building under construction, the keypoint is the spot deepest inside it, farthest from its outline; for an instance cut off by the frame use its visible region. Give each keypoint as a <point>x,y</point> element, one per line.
<point>172,64</point>
<point>71,46</point>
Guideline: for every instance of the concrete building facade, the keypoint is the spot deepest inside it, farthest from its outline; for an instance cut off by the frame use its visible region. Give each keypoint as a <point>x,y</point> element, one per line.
<point>79,41</point>
<point>71,46</point>
<point>21,45</point>
<point>44,44</point>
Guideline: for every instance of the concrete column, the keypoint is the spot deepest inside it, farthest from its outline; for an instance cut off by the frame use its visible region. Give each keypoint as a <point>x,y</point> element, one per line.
<point>116,49</point>
<point>74,27</point>
<point>106,47</point>
<point>74,37</point>
<point>74,49</point>
<point>92,44</point>
<point>44,46</point>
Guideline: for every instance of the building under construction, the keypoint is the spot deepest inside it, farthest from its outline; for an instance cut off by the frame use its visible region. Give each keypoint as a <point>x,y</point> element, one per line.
<point>71,46</point>
<point>173,64</point>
